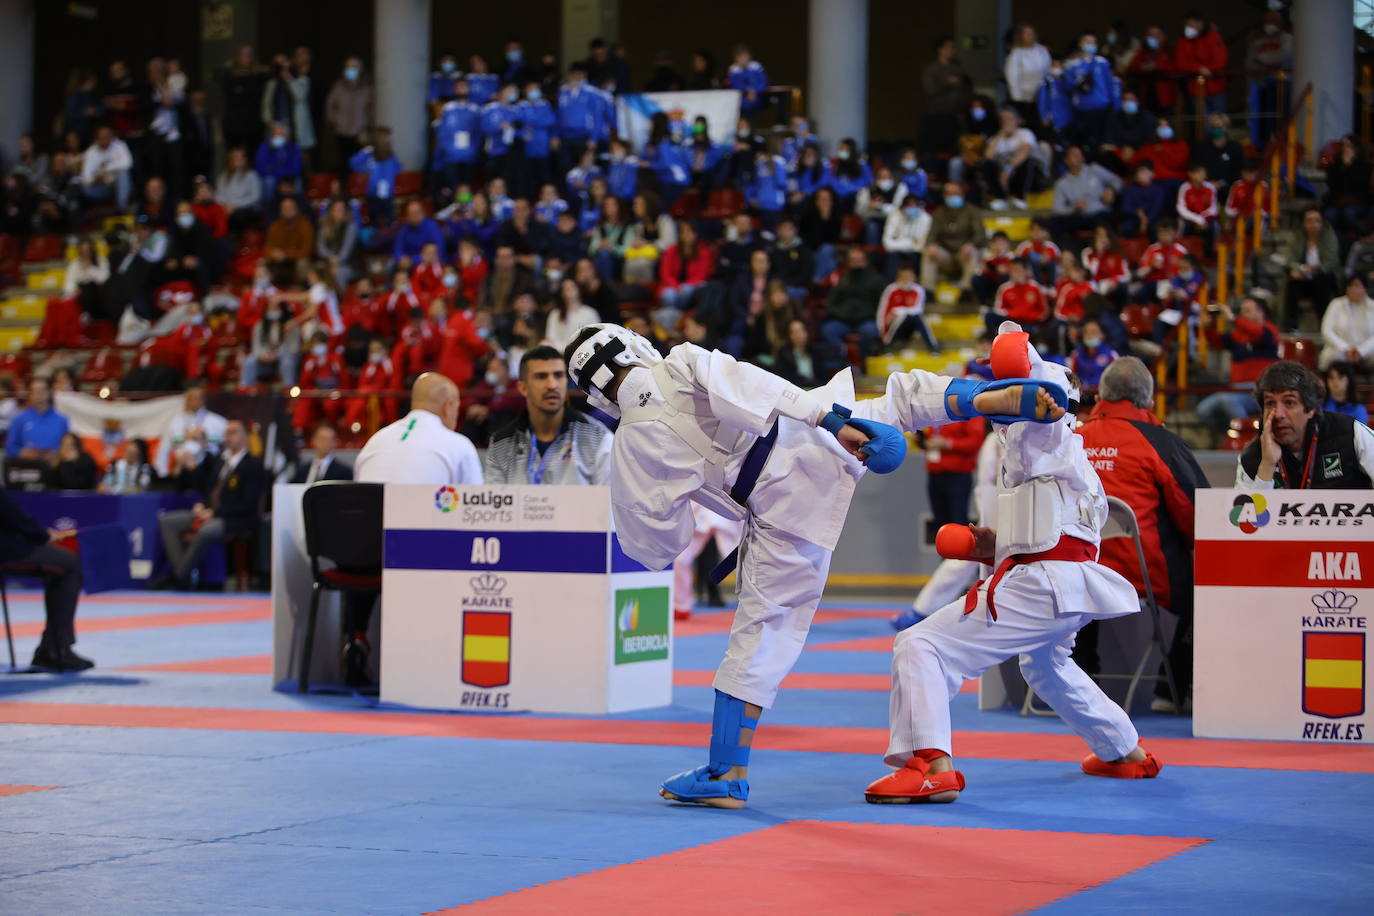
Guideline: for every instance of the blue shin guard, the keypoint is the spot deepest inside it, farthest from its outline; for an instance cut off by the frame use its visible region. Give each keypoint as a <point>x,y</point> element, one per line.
<point>698,784</point>
<point>964,390</point>
<point>886,448</point>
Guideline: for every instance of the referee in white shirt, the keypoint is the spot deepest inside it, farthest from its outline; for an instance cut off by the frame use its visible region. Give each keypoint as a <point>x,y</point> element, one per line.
<point>422,446</point>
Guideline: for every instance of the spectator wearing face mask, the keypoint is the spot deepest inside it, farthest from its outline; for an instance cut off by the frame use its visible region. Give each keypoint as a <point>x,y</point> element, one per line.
<point>748,77</point>
<point>852,305</point>
<point>1268,53</point>
<point>1054,105</point>
<point>348,108</point>
<point>905,235</point>
<point>322,370</point>
<point>192,254</point>
<point>1127,130</point>
<point>380,165</point>
<point>457,137</point>
<point>1142,202</point>
<point>1252,340</point>
<point>876,202</point>
<point>370,408</point>
<point>1027,64</point>
<point>956,237</point>
<point>537,123</point>
<point>1201,52</point>
<point>276,349</point>
<point>461,345</point>
<point>1150,73</point>
<point>278,159</point>
<point>851,173</point>
<point>1093,90</point>
<point>1218,153</point>
<point>1092,355</point>
<point>977,119</point>
<point>793,262</point>
<point>194,415</point>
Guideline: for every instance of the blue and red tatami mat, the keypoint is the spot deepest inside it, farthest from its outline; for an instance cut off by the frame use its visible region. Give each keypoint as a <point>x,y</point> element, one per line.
<point>172,779</point>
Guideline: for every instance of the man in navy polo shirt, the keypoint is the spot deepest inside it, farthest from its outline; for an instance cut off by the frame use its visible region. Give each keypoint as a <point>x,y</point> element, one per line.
<point>36,431</point>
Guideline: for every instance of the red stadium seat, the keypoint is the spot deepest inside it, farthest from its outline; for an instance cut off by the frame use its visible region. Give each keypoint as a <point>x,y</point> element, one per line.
<point>723,204</point>
<point>1242,432</point>
<point>1133,248</point>
<point>409,184</point>
<point>9,248</point>
<point>1140,320</point>
<point>317,188</point>
<point>16,363</point>
<point>101,367</point>
<point>1299,350</point>
<point>851,227</point>
<point>688,206</point>
<point>1194,245</point>
<point>357,184</point>
<point>61,324</point>
<point>45,248</point>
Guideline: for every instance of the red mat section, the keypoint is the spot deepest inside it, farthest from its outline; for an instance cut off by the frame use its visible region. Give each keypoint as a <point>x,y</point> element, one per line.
<point>20,790</point>
<point>1274,755</point>
<point>258,611</point>
<point>719,621</point>
<point>240,664</point>
<point>839,868</point>
<point>800,680</point>
<point>867,644</point>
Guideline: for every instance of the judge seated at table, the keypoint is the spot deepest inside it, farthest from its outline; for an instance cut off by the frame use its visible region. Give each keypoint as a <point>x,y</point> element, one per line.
<point>25,542</point>
<point>230,510</point>
<point>1301,446</point>
<point>320,463</point>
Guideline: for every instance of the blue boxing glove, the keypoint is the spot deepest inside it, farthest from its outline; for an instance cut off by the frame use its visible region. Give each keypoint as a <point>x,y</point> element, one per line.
<point>886,446</point>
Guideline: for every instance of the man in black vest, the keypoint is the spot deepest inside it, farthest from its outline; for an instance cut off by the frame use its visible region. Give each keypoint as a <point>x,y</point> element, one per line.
<point>25,542</point>
<point>1301,446</point>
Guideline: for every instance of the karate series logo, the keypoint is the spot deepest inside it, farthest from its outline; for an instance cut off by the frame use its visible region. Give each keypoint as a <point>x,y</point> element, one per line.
<point>446,499</point>
<point>1250,512</point>
<point>641,624</point>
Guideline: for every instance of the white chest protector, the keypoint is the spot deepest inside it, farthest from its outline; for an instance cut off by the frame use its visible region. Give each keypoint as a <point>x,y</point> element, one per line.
<point>654,395</point>
<point>1032,516</point>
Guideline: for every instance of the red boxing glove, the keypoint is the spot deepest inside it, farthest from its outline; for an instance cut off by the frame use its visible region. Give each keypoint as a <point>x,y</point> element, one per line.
<point>1010,356</point>
<point>955,542</point>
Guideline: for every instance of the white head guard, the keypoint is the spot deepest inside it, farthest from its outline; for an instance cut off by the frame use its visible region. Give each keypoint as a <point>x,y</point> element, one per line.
<point>593,364</point>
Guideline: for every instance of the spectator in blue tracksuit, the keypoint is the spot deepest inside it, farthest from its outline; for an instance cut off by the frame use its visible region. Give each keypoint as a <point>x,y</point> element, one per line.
<point>483,85</point>
<point>473,220</point>
<point>499,130</point>
<point>706,159</point>
<point>537,123</point>
<point>798,136</point>
<point>605,116</point>
<point>414,234</point>
<point>667,158</point>
<point>811,173</point>
<point>442,81</point>
<point>579,178</point>
<point>579,114</point>
<point>1142,202</point>
<point>622,171</point>
<point>910,173</point>
<point>1092,88</point>
<point>748,76</point>
<point>457,138</point>
<point>277,159</point>
<point>502,206</point>
<point>381,166</point>
<point>851,173</point>
<point>1055,105</point>
<point>767,188</point>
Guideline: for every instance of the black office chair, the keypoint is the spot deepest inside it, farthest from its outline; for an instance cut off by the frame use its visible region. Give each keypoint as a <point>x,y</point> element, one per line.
<point>343,528</point>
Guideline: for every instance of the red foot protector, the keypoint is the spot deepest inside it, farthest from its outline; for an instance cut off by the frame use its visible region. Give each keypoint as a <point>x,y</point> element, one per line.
<point>1010,355</point>
<point>1132,769</point>
<point>955,542</point>
<point>915,783</point>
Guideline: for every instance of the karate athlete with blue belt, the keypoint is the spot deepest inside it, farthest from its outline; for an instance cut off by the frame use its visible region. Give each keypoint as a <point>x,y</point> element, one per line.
<point>698,426</point>
<point>1045,585</point>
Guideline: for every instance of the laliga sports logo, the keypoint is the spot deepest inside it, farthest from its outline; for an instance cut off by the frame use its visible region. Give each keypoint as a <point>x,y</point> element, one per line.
<point>1334,601</point>
<point>1250,513</point>
<point>446,499</point>
<point>629,616</point>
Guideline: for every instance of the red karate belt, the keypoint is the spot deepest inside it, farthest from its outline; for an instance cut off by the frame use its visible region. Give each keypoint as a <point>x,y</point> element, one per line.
<point>1069,548</point>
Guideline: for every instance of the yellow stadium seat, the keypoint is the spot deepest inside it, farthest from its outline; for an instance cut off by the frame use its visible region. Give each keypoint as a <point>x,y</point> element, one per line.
<point>1017,228</point>
<point>17,338</point>
<point>954,327</point>
<point>1041,200</point>
<point>23,308</point>
<point>948,362</point>
<point>46,280</point>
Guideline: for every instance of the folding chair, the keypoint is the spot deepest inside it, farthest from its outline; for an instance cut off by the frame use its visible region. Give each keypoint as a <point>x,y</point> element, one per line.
<point>1121,523</point>
<point>343,528</point>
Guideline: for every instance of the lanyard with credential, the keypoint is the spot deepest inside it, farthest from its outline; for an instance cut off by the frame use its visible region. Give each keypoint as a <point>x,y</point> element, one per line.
<point>1306,468</point>
<point>540,463</point>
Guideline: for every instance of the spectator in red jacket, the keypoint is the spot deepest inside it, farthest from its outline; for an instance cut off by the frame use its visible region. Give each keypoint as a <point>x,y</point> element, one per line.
<point>253,302</point>
<point>417,348</point>
<point>951,456</point>
<point>1159,262</point>
<point>209,211</point>
<point>185,349</point>
<point>460,346</point>
<point>1107,269</point>
<point>397,304</point>
<point>1020,299</point>
<point>683,268</point>
<point>1248,193</point>
<point>472,269</point>
<point>322,370</point>
<point>1150,72</point>
<point>1197,205</point>
<point>1168,154</point>
<point>1253,342</point>
<point>370,409</point>
<point>1201,52</point>
<point>1154,472</point>
<point>427,277</point>
<point>1076,287</point>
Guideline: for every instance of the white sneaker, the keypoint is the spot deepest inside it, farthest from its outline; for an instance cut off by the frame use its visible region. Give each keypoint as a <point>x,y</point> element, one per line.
<point>1019,204</point>
<point>998,204</point>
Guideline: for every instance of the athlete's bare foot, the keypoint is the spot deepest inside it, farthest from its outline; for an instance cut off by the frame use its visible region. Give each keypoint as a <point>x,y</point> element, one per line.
<point>1007,402</point>
<point>1135,756</point>
<point>715,802</point>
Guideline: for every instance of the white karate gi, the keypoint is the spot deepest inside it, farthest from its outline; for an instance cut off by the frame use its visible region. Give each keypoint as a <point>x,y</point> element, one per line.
<point>727,533</point>
<point>953,578</point>
<point>1040,608</point>
<point>797,508</point>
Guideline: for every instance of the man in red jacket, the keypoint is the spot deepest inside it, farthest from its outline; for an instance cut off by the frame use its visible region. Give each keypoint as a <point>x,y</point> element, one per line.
<point>1154,472</point>
<point>1020,299</point>
<point>1253,341</point>
<point>1201,52</point>
<point>951,456</point>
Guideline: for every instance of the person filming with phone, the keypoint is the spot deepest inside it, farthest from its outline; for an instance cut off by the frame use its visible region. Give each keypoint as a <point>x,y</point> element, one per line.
<point>1301,446</point>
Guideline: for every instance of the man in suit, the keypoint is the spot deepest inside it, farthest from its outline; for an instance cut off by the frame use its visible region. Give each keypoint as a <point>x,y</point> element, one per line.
<point>198,137</point>
<point>231,508</point>
<point>23,540</point>
<point>321,464</point>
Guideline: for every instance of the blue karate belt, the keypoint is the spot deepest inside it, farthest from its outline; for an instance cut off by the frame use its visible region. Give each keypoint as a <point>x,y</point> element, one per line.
<point>748,478</point>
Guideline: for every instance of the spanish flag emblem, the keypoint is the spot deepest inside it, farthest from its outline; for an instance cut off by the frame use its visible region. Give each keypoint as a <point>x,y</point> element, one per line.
<point>486,648</point>
<point>1333,674</point>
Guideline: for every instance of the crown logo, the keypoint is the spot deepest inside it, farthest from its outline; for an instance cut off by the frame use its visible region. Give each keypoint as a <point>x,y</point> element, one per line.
<point>1334,600</point>
<point>487,584</point>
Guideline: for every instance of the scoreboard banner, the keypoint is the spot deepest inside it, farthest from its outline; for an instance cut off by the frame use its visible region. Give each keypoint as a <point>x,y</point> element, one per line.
<point>505,598</point>
<point>1285,592</point>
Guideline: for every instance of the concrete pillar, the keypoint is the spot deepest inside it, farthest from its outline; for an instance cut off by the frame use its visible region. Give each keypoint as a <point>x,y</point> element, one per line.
<point>584,20</point>
<point>400,74</point>
<point>16,74</point>
<point>978,29</point>
<point>837,76</point>
<point>1324,55</point>
<point>224,28</point>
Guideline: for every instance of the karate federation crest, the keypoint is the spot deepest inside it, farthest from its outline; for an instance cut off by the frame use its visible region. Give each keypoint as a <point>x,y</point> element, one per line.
<point>1333,674</point>
<point>486,648</point>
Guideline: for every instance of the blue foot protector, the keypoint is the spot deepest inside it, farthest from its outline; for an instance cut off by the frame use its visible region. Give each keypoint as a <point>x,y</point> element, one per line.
<point>699,785</point>
<point>886,448</point>
<point>965,389</point>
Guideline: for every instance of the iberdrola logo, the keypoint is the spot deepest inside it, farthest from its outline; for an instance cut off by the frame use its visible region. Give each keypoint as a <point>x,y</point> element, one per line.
<point>629,616</point>
<point>1250,513</point>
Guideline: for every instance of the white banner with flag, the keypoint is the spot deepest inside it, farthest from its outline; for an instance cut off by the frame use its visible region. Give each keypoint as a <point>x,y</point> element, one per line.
<point>103,426</point>
<point>635,111</point>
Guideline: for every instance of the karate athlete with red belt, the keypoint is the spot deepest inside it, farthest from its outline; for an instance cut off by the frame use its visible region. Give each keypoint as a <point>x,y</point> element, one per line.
<point>698,426</point>
<point>1045,586</point>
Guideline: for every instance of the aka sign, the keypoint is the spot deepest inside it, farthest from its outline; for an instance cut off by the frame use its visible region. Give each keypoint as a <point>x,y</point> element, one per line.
<point>1285,590</point>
